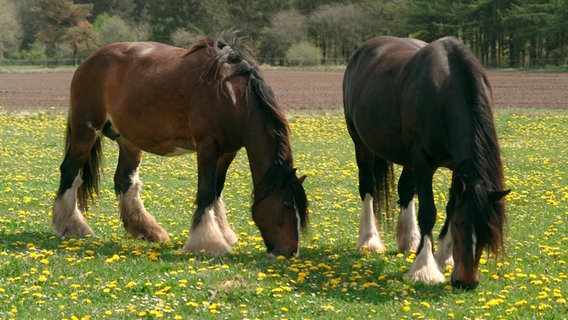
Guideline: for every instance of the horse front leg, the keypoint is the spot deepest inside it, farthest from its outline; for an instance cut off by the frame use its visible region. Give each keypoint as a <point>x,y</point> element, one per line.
<point>407,234</point>
<point>209,219</point>
<point>444,252</point>
<point>424,268</point>
<point>220,211</point>
<point>135,219</point>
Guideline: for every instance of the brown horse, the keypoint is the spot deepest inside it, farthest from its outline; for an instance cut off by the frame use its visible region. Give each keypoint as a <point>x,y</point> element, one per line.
<point>210,99</point>
<point>426,106</point>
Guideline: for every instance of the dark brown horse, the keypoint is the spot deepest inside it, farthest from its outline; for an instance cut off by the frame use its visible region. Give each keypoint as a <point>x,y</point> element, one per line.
<point>165,100</point>
<point>426,106</point>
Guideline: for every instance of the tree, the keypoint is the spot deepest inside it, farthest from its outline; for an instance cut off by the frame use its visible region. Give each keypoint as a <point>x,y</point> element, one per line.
<point>286,28</point>
<point>125,9</point>
<point>56,19</point>
<point>303,54</point>
<point>10,29</point>
<point>113,29</point>
<point>184,38</point>
<point>195,16</point>
<point>251,17</point>
<point>82,39</point>
<point>337,30</point>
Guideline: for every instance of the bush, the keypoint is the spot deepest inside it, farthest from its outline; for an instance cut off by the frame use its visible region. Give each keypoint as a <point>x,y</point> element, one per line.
<point>303,54</point>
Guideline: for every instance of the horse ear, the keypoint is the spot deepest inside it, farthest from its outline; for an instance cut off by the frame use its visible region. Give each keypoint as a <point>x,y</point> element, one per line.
<point>293,173</point>
<point>498,195</point>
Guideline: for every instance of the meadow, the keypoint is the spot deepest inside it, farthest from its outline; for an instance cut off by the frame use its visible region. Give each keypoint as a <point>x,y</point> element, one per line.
<point>111,276</point>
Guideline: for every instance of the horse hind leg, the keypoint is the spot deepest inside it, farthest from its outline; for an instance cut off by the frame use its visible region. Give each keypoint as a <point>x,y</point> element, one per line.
<point>369,237</point>
<point>80,161</point>
<point>135,219</point>
<point>67,219</point>
<point>407,234</point>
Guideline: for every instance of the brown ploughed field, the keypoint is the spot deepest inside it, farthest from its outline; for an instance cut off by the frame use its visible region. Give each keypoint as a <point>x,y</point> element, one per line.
<point>296,89</point>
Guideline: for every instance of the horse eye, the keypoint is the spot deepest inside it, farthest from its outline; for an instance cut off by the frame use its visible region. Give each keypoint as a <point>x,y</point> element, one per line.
<point>289,204</point>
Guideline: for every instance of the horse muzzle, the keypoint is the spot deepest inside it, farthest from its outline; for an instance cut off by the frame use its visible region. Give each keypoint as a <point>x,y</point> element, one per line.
<point>465,284</point>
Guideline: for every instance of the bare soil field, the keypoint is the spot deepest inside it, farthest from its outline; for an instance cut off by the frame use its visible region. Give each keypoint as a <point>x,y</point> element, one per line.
<point>296,89</point>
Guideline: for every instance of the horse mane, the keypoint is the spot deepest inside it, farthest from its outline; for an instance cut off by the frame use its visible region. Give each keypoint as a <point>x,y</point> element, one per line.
<point>485,172</point>
<point>229,49</point>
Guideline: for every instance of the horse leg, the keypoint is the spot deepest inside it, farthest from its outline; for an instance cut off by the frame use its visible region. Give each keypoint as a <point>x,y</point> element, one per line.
<point>424,268</point>
<point>135,219</point>
<point>369,237</point>
<point>67,219</point>
<point>443,254</point>
<point>206,233</point>
<point>407,234</point>
<point>219,205</point>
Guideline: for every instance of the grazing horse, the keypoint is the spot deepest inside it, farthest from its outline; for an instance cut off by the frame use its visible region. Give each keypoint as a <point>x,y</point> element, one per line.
<point>211,99</point>
<point>425,106</point>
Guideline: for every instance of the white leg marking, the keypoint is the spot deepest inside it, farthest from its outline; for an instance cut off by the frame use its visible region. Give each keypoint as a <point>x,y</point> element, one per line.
<point>67,219</point>
<point>130,202</point>
<point>424,268</point>
<point>369,238</point>
<point>137,221</point>
<point>297,254</point>
<point>444,252</point>
<point>474,241</point>
<point>407,234</point>
<point>221,214</point>
<point>207,236</point>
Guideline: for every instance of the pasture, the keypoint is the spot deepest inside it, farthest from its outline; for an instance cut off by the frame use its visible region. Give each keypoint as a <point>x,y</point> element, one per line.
<point>114,277</point>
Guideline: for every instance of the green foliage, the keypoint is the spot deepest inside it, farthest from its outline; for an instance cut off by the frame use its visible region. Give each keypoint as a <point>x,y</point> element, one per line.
<point>303,54</point>
<point>36,52</point>
<point>113,29</point>
<point>501,33</point>
<point>112,276</point>
<point>10,28</point>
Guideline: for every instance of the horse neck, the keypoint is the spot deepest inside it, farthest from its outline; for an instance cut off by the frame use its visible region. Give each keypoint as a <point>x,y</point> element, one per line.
<point>266,150</point>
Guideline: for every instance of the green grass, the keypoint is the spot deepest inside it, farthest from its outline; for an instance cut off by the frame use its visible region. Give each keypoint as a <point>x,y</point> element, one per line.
<point>112,276</point>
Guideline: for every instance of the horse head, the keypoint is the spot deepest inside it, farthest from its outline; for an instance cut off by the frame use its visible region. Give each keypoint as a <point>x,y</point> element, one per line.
<point>281,214</point>
<point>476,224</point>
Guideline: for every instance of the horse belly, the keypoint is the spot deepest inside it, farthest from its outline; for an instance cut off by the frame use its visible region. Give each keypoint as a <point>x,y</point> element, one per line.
<point>385,142</point>
<point>178,152</point>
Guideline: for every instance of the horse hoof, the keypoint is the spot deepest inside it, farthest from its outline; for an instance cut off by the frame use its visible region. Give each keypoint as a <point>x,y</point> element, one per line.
<point>158,236</point>
<point>214,249</point>
<point>372,245</point>
<point>405,245</point>
<point>74,229</point>
<point>78,232</point>
<point>230,236</point>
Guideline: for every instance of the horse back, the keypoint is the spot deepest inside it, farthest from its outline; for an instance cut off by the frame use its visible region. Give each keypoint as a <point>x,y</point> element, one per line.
<point>370,94</point>
<point>155,96</point>
<point>440,88</point>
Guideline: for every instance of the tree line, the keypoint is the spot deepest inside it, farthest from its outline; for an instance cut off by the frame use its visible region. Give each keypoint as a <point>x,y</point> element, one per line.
<point>502,33</point>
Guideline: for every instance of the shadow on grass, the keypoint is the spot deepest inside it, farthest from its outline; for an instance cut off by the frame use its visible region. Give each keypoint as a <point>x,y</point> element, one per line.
<point>337,272</point>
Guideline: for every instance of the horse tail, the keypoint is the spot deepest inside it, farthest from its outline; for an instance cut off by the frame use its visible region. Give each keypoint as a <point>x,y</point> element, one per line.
<point>383,177</point>
<point>487,159</point>
<point>90,172</point>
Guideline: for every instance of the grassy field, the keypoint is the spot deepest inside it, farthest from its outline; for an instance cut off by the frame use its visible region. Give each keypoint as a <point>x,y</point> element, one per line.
<point>115,277</point>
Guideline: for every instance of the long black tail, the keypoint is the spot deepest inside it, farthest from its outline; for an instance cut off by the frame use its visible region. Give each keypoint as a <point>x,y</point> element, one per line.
<point>383,174</point>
